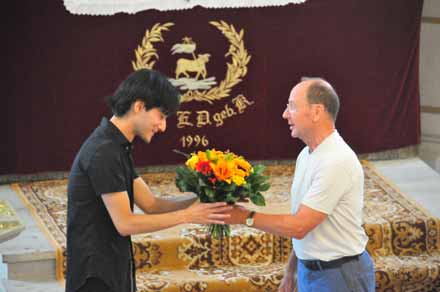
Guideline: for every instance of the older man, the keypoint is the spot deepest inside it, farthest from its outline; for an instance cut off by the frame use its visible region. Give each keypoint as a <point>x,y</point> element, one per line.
<point>327,200</point>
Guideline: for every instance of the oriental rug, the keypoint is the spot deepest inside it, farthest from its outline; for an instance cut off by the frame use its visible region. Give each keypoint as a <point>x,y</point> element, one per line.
<point>404,240</point>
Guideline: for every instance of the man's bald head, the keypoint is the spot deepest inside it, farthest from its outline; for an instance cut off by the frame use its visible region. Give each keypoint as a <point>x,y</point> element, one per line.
<point>320,91</point>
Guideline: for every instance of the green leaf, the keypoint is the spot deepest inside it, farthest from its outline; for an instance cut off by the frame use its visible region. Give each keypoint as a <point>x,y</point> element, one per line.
<point>187,180</point>
<point>202,182</point>
<point>180,171</point>
<point>181,185</point>
<point>259,180</point>
<point>229,157</point>
<point>258,199</point>
<point>264,187</point>
<point>210,193</point>
<point>259,168</point>
<point>247,187</point>
<point>230,188</point>
<point>230,198</point>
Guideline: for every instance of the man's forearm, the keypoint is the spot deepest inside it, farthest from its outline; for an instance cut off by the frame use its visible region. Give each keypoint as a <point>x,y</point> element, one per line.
<point>128,223</point>
<point>172,204</point>
<point>284,225</point>
<point>144,223</point>
<point>287,225</point>
<point>151,204</point>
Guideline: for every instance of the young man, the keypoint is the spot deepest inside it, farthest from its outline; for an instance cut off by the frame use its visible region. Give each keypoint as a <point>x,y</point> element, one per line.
<point>327,200</point>
<point>104,186</point>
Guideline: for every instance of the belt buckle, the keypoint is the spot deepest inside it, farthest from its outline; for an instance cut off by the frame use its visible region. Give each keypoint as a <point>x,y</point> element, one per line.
<point>315,265</point>
<point>318,264</point>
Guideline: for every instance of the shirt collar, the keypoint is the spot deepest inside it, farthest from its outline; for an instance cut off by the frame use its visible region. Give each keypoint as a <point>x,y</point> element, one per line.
<point>116,134</point>
<point>326,140</point>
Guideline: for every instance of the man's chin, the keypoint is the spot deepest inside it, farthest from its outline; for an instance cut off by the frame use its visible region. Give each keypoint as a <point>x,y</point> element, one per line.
<point>147,139</point>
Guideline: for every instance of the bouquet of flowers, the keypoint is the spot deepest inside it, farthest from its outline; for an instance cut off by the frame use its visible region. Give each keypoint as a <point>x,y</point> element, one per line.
<point>217,176</point>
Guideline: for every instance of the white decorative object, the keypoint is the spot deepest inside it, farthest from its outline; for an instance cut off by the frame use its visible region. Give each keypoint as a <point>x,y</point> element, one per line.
<point>110,7</point>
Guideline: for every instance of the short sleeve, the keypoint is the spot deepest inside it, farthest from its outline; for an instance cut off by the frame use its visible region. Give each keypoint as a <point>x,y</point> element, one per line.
<point>106,172</point>
<point>133,170</point>
<point>328,186</point>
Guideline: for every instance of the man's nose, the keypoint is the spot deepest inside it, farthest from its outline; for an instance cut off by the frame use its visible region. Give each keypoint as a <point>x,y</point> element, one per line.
<point>163,125</point>
<point>285,114</point>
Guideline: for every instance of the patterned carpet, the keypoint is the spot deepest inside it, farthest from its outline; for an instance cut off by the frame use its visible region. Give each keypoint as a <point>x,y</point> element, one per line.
<point>404,240</point>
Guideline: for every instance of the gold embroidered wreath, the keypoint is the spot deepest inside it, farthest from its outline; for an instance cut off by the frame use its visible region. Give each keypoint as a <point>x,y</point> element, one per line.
<point>146,57</point>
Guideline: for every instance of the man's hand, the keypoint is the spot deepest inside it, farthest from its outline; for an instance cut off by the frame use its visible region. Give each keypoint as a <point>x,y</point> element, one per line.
<point>238,215</point>
<point>287,283</point>
<point>207,213</point>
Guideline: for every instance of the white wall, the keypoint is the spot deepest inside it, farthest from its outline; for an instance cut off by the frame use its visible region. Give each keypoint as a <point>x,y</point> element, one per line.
<point>430,83</point>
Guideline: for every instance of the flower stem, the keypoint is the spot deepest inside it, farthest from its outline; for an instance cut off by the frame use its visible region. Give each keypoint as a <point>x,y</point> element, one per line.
<point>218,231</point>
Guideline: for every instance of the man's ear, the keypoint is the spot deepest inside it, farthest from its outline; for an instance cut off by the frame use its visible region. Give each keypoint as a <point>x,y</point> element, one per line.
<point>318,111</point>
<point>138,106</point>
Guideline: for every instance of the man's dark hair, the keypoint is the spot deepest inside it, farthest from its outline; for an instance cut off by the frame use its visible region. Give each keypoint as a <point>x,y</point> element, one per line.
<point>321,92</point>
<point>149,86</point>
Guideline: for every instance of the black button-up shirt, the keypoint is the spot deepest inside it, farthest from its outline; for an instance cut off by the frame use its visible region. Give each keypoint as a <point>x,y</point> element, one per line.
<point>94,246</point>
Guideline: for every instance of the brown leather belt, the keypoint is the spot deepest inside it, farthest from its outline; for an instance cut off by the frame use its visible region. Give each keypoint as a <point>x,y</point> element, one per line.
<point>318,265</point>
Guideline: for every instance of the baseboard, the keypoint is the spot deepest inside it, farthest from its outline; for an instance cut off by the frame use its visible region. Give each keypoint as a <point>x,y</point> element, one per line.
<point>430,138</point>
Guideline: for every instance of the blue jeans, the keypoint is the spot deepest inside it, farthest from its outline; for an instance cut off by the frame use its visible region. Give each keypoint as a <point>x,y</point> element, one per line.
<point>353,276</point>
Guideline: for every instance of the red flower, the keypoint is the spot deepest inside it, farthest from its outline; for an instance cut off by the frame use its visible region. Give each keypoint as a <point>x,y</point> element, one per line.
<point>204,167</point>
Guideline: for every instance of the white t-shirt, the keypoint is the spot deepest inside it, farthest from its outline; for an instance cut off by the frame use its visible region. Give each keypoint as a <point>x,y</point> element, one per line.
<point>330,180</point>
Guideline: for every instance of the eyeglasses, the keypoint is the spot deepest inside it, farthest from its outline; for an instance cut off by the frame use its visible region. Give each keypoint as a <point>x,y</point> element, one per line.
<point>290,107</point>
